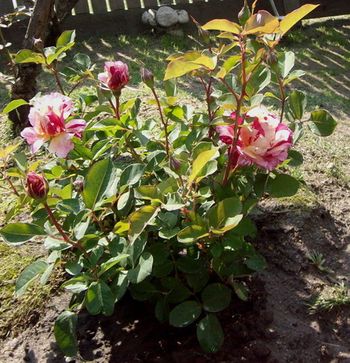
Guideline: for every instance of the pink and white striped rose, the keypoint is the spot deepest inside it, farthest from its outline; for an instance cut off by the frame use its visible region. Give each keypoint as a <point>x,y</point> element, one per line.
<point>47,117</point>
<point>264,142</point>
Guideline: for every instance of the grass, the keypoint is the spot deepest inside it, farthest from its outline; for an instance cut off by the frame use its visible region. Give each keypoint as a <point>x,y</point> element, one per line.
<point>330,298</point>
<point>322,50</point>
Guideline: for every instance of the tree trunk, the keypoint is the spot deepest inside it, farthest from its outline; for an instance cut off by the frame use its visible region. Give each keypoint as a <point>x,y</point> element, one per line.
<point>25,85</point>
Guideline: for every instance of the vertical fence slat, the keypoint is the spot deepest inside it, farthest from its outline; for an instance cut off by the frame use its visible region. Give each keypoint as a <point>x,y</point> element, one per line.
<point>150,4</point>
<point>81,7</point>
<point>116,4</point>
<point>6,7</point>
<point>133,4</point>
<point>99,6</point>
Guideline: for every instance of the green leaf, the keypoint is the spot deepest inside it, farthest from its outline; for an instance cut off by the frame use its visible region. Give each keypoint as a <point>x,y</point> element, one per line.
<point>65,38</point>
<point>99,299</point>
<point>216,297</point>
<point>297,104</point>
<point>210,334</point>
<point>256,262</point>
<point>65,333</point>
<point>131,175</point>
<point>13,105</point>
<point>83,60</point>
<point>28,275</point>
<point>322,123</point>
<point>111,262</point>
<point>292,18</point>
<point>240,290</point>
<point>225,215</point>
<point>223,25</point>
<point>18,233</point>
<point>28,56</point>
<point>283,185</point>
<point>139,219</point>
<point>286,63</point>
<point>295,158</point>
<point>192,233</point>
<point>185,314</point>
<point>200,162</point>
<point>143,269</point>
<point>178,68</point>
<point>96,182</point>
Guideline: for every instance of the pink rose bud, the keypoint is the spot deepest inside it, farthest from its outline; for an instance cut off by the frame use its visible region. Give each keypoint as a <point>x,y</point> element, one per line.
<point>115,76</point>
<point>78,185</point>
<point>174,164</point>
<point>147,77</point>
<point>37,186</point>
<point>265,141</point>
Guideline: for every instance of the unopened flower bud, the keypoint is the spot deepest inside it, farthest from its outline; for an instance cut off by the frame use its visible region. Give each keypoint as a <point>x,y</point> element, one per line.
<point>271,57</point>
<point>204,35</point>
<point>147,77</point>
<point>174,164</point>
<point>244,14</point>
<point>37,186</point>
<point>78,185</point>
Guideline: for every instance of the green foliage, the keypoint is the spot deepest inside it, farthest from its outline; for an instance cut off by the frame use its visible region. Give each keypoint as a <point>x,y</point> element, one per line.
<point>160,207</point>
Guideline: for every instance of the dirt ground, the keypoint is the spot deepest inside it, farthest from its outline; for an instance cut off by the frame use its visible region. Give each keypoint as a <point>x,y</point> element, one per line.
<point>276,325</point>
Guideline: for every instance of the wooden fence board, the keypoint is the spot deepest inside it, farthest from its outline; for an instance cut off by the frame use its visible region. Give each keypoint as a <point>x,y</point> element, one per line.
<point>6,7</point>
<point>133,4</point>
<point>82,7</point>
<point>150,4</point>
<point>99,6</point>
<point>116,4</point>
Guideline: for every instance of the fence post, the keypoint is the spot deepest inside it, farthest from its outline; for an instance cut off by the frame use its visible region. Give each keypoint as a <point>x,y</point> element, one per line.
<point>290,5</point>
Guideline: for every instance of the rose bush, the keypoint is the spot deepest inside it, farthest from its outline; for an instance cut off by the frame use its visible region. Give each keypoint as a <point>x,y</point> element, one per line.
<point>160,207</point>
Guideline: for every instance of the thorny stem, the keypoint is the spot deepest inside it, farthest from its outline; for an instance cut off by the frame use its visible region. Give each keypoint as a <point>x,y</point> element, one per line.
<point>208,90</point>
<point>76,85</point>
<point>164,122</point>
<point>238,109</point>
<point>11,185</point>
<point>57,78</point>
<point>61,232</point>
<point>283,97</point>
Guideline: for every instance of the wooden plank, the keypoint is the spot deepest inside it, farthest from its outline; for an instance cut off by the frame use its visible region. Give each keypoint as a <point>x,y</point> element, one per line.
<point>82,7</point>
<point>328,8</point>
<point>116,4</point>
<point>99,6</point>
<point>6,7</point>
<point>290,5</point>
<point>150,4</point>
<point>134,4</point>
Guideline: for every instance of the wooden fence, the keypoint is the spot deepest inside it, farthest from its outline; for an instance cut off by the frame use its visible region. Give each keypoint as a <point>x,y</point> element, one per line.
<point>326,8</point>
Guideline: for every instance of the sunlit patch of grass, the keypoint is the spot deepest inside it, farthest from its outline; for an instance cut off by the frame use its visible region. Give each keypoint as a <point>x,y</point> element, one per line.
<point>330,298</point>
<point>14,312</point>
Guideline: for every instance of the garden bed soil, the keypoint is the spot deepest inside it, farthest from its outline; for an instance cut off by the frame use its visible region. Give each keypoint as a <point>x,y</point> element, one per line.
<point>274,326</point>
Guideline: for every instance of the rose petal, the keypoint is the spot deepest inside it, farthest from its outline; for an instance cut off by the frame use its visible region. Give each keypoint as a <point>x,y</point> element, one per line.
<point>61,144</point>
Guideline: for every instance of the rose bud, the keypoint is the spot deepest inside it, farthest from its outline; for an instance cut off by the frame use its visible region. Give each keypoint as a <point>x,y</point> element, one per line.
<point>115,77</point>
<point>37,186</point>
<point>78,185</point>
<point>147,77</point>
<point>174,164</point>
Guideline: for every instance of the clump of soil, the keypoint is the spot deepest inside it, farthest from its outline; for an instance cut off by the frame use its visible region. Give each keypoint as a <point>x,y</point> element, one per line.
<point>274,326</point>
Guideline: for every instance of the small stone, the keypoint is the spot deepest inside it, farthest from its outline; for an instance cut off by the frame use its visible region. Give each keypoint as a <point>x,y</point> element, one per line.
<point>183,17</point>
<point>260,350</point>
<point>166,16</point>
<point>149,18</point>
